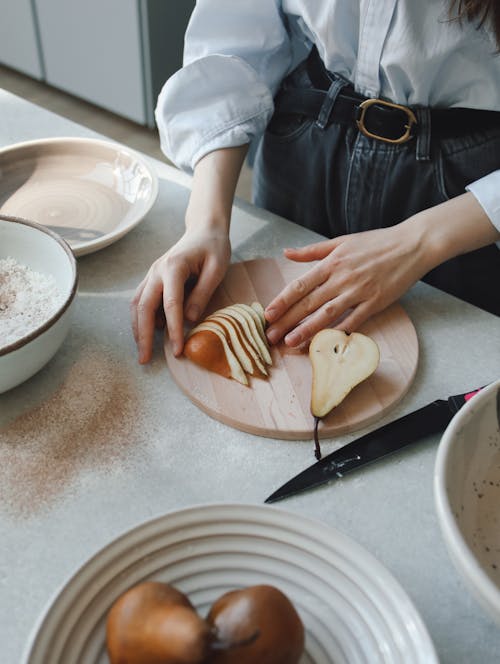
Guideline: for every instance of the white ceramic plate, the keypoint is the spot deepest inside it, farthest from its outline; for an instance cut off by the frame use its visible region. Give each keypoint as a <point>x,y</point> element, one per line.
<point>467,495</point>
<point>91,192</point>
<point>353,609</point>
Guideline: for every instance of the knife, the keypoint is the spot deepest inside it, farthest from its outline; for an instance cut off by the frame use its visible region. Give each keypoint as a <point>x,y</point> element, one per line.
<point>387,439</point>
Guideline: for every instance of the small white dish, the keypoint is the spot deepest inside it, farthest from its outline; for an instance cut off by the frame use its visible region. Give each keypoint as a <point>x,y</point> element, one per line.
<point>42,251</point>
<point>353,610</point>
<point>467,495</point>
<point>91,192</point>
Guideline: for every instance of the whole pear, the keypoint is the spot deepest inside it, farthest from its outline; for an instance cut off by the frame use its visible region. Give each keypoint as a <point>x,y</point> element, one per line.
<point>154,623</point>
<point>263,620</point>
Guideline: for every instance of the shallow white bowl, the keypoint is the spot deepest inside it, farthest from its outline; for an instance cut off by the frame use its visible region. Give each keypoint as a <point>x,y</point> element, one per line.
<point>467,495</point>
<point>43,251</point>
<point>89,191</point>
<point>353,610</point>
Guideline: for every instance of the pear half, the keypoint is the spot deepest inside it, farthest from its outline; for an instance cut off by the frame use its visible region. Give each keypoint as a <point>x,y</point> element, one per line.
<point>340,361</point>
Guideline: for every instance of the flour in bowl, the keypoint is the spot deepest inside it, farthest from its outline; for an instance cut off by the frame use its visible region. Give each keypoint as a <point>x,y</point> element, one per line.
<point>27,300</point>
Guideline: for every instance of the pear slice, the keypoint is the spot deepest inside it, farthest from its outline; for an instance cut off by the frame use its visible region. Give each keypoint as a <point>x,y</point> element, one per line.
<point>234,341</point>
<point>258,329</point>
<point>340,361</point>
<point>247,324</point>
<point>204,352</point>
<point>257,306</point>
<point>258,364</point>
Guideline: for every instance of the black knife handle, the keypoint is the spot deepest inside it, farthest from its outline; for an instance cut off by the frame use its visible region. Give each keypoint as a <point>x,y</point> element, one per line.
<point>458,400</point>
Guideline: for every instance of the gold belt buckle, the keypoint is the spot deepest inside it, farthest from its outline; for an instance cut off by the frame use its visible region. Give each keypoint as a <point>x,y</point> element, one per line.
<point>365,105</point>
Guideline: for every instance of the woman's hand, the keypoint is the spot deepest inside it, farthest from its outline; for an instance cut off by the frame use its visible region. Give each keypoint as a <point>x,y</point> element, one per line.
<point>202,254</point>
<point>357,275</point>
<point>361,274</point>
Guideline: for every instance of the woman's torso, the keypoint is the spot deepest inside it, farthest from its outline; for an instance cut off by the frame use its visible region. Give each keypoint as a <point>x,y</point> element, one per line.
<point>408,51</point>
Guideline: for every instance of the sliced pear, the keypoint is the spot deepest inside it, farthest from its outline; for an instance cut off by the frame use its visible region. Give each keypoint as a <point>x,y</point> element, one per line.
<point>237,344</point>
<point>202,354</point>
<point>232,337</point>
<point>257,306</point>
<point>340,361</point>
<point>257,328</point>
<point>246,343</point>
<point>205,348</point>
<point>246,323</point>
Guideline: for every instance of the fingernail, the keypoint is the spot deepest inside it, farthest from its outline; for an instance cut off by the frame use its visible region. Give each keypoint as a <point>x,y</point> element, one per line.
<point>293,339</point>
<point>193,312</point>
<point>272,336</point>
<point>270,314</point>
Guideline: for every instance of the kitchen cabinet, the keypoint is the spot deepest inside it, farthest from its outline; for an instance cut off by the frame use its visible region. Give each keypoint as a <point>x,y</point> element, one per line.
<point>19,39</point>
<point>113,53</point>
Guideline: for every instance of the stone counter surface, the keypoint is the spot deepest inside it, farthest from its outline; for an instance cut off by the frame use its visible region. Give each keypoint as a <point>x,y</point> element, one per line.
<point>95,444</point>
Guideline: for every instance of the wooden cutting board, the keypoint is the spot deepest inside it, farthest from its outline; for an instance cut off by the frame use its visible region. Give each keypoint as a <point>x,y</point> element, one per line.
<point>278,407</point>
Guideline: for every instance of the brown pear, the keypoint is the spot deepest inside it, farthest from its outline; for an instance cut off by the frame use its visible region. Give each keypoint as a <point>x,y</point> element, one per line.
<point>263,621</point>
<point>153,623</point>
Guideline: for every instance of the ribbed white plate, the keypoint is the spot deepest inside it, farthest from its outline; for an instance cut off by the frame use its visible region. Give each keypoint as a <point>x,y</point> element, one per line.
<point>353,609</point>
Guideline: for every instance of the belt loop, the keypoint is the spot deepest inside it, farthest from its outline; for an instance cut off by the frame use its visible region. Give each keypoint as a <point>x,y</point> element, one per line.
<point>423,146</point>
<point>338,83</point>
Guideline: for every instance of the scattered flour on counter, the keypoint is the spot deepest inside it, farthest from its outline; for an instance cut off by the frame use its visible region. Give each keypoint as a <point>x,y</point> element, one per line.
<point>27,300</point>
<point>90,424</point>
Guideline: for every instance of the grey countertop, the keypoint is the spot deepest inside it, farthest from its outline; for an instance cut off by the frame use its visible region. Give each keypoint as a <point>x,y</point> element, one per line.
<point>142,448</point>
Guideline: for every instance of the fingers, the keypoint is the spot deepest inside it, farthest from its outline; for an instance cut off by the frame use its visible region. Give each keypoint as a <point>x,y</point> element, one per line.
<point>133,309</point>
<point>311,252</point>
<point>144,306</point>
<point>160,298</point>
<point>294,293</point>
<point>210,277</point>
<point>162,289</point>
<point>298,332</point>
<point>351,318</point>
<point>356,317</point>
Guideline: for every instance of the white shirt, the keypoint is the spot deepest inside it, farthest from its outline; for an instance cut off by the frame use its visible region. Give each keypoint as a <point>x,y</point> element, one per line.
<point>237,52</point>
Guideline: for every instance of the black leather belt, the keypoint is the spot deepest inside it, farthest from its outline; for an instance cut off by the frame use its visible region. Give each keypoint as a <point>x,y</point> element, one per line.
<point>377,118</point>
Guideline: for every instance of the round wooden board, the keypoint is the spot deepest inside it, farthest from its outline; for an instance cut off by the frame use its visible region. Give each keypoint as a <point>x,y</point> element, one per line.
<point>278,407</point>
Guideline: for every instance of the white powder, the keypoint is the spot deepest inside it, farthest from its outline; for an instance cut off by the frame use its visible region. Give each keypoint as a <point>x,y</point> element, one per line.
<point>27,300</point>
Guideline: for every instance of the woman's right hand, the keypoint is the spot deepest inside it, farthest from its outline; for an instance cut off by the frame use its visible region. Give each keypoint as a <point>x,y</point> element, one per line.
<point>202,254</point>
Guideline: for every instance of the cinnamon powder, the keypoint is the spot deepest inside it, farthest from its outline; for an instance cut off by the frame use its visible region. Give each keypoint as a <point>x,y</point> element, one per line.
<point>88,423</point>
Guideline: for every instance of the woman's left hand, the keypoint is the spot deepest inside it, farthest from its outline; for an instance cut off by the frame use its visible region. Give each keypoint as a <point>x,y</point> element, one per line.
<point>358,275</point>
<point>355,277</point>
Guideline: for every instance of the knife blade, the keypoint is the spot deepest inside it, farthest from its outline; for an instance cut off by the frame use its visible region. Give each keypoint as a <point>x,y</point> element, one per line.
<point>381,442</point>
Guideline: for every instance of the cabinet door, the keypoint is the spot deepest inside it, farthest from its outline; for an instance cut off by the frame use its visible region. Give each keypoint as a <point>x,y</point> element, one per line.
<point>19,46</point>
<point>93,49</point>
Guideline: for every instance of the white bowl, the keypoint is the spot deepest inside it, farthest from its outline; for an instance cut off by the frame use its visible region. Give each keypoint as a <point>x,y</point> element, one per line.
<point>42,251</point>
<point>89,191</point>
<point>467,495</point>
<point>353,610</point>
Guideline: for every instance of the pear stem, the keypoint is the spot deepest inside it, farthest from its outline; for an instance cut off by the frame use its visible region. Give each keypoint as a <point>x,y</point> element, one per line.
<point>317,448</point>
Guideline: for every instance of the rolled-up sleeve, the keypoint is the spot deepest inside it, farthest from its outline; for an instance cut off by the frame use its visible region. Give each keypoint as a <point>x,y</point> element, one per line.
<point>236,53</point>
<point>487,192</point>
